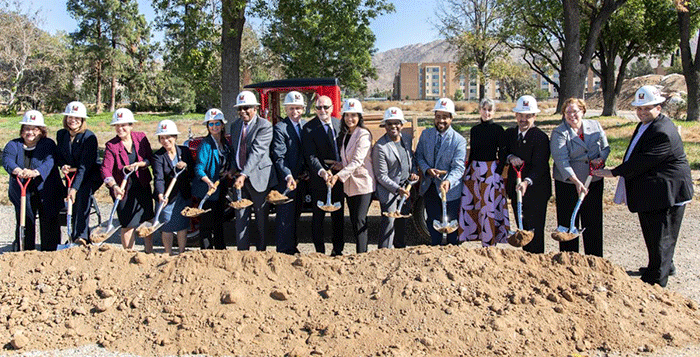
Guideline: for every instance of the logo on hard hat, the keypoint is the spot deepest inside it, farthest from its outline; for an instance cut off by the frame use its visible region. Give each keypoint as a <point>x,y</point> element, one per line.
<point>241,97</point>
<point>351,104</point>
<point>75,108</point>
<point>119,115</point>
<point>443,103</point>
<point>213,113</point>
<point>526,104</point>
<point>641,96</point>
<point>297,97</point>
<point>164,127</point>
<point>32,117</point>
<point>393,112</point>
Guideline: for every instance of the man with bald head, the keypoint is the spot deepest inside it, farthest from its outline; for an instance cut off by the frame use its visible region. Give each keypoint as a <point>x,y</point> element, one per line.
<point>322,159</point>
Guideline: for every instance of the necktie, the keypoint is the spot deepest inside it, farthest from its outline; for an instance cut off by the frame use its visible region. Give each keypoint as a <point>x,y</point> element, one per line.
<point>298,129</point>
<point>242,147</point>
<point>437,148</point>
<point>520,138</point>
<point>331,137</point>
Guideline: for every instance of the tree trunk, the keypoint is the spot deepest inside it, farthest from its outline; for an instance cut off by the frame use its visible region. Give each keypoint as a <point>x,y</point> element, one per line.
<point>573,73</point>
<point>98,79</point>
<point>691,67</point>
<point>233,19</point>
<point>113,94</point>
<point>606,57</point>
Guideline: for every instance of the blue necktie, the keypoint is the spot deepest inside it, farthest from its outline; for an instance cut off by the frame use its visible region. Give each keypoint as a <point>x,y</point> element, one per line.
<point>437,148</point>
<point>331,137</point>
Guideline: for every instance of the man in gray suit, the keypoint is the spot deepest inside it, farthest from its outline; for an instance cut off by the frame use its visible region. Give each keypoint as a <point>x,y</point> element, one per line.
<point>440,156</point>
<point>393,166</point>
<point>287,154</point>
<point>250,155</point>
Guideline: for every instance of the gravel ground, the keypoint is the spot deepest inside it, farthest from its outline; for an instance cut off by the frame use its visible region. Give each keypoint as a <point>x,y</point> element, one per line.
<point>623,246</point>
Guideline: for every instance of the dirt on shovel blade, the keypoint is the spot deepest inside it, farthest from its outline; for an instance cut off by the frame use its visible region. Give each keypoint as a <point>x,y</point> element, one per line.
<point>563,236</point>
<point>521,238</point>
<point>275,196</point>
<point>243,203</point>
<point>145,231</point>
<point>396,215</point>
<point>193,212</point>
<point>98,237</point>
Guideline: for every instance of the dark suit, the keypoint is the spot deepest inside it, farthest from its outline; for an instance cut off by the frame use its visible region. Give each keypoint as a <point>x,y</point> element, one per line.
<point>44,194</point>
<point>317,148</point>
<point>260,177</point>
<point>80,154</point>
<point>288,158</point>
<point>657,181</point>
<point>534,151</point>
<point>164,172</point>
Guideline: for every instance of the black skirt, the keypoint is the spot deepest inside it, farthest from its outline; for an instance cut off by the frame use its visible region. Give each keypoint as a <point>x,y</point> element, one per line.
<point>137,206</point>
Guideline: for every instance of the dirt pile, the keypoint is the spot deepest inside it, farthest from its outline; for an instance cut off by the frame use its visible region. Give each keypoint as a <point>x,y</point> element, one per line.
<point>670,85</point>
<point>416,301</point>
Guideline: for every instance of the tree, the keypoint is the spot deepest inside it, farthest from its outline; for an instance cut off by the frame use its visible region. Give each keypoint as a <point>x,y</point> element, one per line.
<point>110,33</point>
<point>640,27</point>
<point>687,12</point>
<point>320,38</point>
<point>641,67</point>
<point>515,79</point>
<point>473,28</point>
<point>556,33</point>
<point>459,95</point>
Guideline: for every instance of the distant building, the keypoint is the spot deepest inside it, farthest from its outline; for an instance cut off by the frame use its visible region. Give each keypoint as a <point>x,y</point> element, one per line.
<point>430,81</point>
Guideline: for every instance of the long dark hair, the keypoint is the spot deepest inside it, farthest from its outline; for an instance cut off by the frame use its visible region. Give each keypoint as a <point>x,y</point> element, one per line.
<point>344,130</point>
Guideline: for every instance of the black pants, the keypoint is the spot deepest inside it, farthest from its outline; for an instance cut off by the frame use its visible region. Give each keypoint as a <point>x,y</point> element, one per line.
<point>337,218</point>
<point>211,228</point>
<point>590,216</point>
<point>358,206</point>
<point>50,228</point>
<point>81,212</point>
<point>534,217</point>
<point>262,209</point>
<point>286,218</point>
<point>660,229</point>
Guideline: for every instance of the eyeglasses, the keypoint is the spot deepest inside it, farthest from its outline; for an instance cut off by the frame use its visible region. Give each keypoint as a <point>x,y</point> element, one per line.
<point>571,112</point>
<point>324,107</point>
<point>244,108</point>
<point>28,128</point>
<point>214,123</point>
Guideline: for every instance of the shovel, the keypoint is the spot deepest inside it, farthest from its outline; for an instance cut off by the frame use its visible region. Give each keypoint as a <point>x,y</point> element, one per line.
<point>564,234</point>
<point>196,212</point>
<point>147,228</point>
<point>397,213</point>
<point>69,213</point>
<point>282,200</point>
<point>328,206</point>
<point>445,227</point>
<point>239,203</point>
<point>22,211</point>
<point>105,230</point>
<point>520,237</point>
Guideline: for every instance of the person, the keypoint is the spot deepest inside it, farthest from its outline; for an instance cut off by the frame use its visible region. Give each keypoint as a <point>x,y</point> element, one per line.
<point>393,167</point>
<point>655,182</point>
<point>288,157</point>
<point>577,145</point>
<point>212,165</point>
<point>131,151</point>
<point>440,155</point>
<point>31,156</point>
<point>321,151</point>
<point>166,161</point>
<point>483,213</point>
<point>355,167</point>
<point>77,152</point>
<point>527,148</point>
<point>251,137</point>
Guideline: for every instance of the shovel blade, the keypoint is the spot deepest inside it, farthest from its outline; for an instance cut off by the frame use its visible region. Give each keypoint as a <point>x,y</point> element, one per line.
<point>437,225</point>
<point>320,204</point>
<point>563,229</point>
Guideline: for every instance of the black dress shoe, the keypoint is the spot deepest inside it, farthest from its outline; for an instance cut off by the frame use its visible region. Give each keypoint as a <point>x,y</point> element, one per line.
<point>672,272</point>
<point>336,254</point>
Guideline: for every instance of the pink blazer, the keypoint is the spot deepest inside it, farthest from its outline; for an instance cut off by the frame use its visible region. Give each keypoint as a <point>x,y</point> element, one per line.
<point>357,174</point>
<point>116,158</point>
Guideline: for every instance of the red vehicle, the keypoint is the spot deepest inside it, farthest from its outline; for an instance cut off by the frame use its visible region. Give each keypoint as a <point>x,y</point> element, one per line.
<point>271,96</point>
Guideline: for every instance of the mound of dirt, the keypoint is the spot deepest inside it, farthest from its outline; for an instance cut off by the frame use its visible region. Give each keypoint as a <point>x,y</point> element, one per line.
<point>670,85</point>
<point>407,302</point>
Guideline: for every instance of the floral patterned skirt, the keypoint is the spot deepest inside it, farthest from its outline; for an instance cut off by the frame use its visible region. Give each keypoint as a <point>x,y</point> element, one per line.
<point>483,212</point>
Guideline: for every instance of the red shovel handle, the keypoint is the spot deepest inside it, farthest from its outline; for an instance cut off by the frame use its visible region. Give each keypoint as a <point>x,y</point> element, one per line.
<point>519,170</point>
<point>70,176</point>
<point>24,185</point>
<point>592,167</point>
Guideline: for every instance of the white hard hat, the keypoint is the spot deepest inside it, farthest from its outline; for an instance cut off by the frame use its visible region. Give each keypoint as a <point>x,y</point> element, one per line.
<point>76,109</point>
<point>445,105</point>
<point>351,106</point>
<point>166,127</point>
<point>33,117</point>
<point>122,116</point>
<point>246,98</point>
<point>647,95</point>
<point>393,113</point>
<point>214,114</point>
<point>294,98</point>
<point>526,104</point>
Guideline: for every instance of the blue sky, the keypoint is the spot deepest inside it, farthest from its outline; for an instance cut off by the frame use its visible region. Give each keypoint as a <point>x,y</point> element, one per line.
<point>411,23</point>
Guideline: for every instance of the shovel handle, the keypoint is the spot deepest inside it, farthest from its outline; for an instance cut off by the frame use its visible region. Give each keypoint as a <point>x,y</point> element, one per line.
<point>122,187</point>
<point>213,189</point>
<point>170,188</point>
<point>443,193</point>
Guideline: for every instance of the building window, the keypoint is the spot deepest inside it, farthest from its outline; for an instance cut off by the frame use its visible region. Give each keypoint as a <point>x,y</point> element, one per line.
<point>435,76</point>
<point>435,84</point>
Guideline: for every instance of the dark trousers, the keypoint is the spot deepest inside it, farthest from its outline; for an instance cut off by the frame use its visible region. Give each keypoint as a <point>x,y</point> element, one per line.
<point>433,208</point>
<point>50,228</point>
<point>392,231</point>
<point>81,213</point>
<point>211,228</point>
<point>534,217</point>
<point>357,207</point>
<point>337,218</point>
<point>286,218</point>
<point>590,216</point>
<point>262,209</point>
<point>660,229</point>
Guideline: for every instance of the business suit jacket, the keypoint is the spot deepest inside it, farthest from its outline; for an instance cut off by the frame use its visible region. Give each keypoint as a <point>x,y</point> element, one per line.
<point>571,155</point>
<point>318,148</point>
<point>357,174</point>
<point>48,183</point>
<point>657,174</point>
<point>287,151</point>
<point>258,165</point>
<point>80,154</point>
<point>116,158</point>
<point>387,167</point>
<point>534,151</point>
<point>209,164</point>
<point>451,158</point>
<point>164,172</point>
